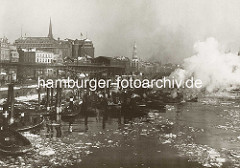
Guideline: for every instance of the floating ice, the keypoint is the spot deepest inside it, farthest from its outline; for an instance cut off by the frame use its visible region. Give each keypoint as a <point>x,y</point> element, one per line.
<point>47,152</point>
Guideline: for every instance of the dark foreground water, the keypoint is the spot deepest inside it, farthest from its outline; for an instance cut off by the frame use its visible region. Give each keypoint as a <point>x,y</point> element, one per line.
<point>186,135</point>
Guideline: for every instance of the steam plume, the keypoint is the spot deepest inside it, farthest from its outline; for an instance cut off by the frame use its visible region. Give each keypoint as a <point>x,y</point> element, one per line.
<point>218,70</point>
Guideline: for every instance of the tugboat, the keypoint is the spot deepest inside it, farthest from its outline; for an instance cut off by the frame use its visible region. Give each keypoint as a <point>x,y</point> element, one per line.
<point>17,113</point>
<point>12,142</point>
<point>30,127</point>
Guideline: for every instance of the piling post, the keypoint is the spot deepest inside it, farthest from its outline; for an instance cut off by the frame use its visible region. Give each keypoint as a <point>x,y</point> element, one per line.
<point>47,102</point>
<point>5,113</point>
<point>52,95</point>
<point>10,101</point>
<point>39,96</point>
<point>58,103</point>
<point>71,103</point>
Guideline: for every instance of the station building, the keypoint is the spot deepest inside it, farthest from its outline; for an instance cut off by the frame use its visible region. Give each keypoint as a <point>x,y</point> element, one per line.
<point>48,44</point>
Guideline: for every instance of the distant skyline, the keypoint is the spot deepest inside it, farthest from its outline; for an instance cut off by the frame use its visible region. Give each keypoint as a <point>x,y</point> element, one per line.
<point>164,30</point>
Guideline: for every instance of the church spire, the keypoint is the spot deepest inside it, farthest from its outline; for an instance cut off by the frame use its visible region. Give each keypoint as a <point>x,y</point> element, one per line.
<point>50,35</point>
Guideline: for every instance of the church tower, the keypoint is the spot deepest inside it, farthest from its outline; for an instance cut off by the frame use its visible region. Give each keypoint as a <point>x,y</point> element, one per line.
<point>135,60</point>
<point>134,55</point>
<point>50,35</point>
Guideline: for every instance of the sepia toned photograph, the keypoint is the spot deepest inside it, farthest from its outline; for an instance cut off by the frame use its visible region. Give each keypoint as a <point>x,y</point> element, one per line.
<point>119,84</point>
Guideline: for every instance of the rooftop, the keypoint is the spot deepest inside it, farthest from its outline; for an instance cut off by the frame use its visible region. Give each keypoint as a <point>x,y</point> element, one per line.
<point>34,40</point>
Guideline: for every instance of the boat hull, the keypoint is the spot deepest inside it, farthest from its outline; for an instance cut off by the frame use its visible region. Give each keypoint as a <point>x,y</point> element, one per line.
<point>13,143</point>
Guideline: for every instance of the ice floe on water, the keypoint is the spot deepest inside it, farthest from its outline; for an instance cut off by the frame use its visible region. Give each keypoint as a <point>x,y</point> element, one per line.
<point>202,154</point>
<point>232,120</point>
<point>46,152</point>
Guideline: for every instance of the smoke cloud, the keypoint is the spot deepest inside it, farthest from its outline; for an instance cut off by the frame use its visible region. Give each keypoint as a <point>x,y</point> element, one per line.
<point>218,70</point>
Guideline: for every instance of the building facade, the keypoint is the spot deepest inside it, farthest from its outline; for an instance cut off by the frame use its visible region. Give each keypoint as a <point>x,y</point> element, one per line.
<point>124,61</point>
<point>44,57</point>
<point>82,48</point>
<point>57,59</point>
<point>4,50</point>
<point>63,48</point>
<point>29,56</point>
<point>14,55</point>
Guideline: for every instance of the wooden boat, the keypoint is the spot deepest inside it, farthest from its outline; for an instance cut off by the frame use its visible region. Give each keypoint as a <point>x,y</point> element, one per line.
<point>18,126</point>
<point>13,143</point>
<point>70,114</point>
<point>31,127</point>
<point>195,99</point>
<point>155,104</point>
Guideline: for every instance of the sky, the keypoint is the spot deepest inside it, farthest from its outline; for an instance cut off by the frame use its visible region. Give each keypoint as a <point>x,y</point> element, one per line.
<point>164,30</point>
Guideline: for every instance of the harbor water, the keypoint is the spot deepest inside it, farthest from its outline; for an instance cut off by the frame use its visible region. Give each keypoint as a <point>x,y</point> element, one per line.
<point>194,135</point>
